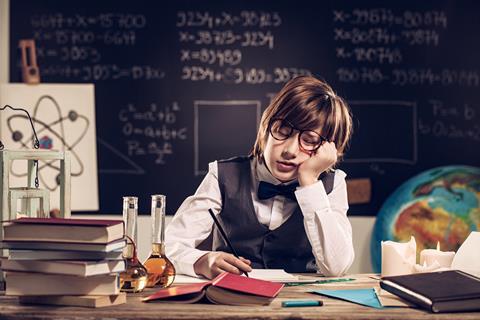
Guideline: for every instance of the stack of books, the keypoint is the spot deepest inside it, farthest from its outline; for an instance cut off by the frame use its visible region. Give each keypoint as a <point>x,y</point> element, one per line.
<point>64,261</point>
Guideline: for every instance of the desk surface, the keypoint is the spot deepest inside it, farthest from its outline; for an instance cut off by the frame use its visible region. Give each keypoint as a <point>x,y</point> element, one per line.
<point>135,309</point>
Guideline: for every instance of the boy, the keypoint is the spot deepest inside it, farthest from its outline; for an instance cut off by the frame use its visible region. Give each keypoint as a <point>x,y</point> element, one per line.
<point>283,206</point>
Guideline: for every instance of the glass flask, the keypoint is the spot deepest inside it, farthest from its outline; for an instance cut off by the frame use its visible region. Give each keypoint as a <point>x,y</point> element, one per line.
<point>161,271</point>
<point>134,278</point>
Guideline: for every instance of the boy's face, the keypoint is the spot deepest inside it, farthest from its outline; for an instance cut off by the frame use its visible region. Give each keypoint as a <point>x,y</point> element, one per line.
<point>282,157</point>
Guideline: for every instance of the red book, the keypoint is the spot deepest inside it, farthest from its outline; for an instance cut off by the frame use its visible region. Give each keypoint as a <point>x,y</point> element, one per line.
<point>226,288</point>
<point>63,230</point>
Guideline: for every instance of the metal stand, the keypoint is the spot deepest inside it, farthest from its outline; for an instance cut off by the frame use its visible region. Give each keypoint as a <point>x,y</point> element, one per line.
<point>9,196</point>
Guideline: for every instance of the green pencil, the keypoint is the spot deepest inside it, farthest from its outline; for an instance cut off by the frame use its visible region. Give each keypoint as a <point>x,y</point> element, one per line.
<point>292,284</point>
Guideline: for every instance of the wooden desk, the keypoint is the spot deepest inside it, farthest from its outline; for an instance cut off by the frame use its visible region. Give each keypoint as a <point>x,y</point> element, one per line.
<point>135,309</point>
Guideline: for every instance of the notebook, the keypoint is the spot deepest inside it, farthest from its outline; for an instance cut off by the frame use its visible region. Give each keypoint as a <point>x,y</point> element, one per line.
<point>442,291</point>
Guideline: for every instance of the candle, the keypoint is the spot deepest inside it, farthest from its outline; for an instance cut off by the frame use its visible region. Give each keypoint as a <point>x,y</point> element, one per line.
<point>398,258</point>
<point>444,259</point>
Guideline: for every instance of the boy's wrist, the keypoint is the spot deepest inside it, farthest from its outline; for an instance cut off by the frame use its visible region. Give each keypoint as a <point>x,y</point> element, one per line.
<point>306,181</point>
<point>200,267</point>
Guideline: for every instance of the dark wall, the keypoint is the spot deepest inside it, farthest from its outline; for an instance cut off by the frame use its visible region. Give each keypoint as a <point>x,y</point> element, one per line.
<point>181,83</point>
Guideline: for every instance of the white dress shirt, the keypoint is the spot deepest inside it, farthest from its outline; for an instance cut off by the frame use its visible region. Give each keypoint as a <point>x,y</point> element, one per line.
<point>325,220</point>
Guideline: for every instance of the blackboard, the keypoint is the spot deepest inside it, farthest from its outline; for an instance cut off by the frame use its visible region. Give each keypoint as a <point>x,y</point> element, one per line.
<point>182,83</point>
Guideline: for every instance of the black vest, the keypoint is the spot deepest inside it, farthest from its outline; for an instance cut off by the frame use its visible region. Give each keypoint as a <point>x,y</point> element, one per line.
<point>286,247</point>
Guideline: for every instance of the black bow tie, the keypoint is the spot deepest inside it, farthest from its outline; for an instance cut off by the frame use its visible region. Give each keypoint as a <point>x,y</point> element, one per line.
<point>267,190</point>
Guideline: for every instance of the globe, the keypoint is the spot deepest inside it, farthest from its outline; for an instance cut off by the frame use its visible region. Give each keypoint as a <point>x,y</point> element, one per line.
<point>438,205</point>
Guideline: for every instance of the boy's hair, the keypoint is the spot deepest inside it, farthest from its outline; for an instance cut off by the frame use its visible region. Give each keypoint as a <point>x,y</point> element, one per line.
<point>308,103</point>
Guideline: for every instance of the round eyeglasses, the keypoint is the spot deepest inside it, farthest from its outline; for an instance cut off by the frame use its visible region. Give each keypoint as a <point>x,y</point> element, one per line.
<point>309,140</point>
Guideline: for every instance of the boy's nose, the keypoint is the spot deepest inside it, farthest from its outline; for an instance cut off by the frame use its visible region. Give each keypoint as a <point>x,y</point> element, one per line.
<point>291,145</point>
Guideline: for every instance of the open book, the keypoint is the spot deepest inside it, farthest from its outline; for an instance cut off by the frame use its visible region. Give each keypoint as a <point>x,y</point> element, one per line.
<point>227,288</point>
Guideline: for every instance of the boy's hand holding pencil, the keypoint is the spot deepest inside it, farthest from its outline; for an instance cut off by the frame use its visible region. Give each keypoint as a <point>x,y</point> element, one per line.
<point>213,263</point>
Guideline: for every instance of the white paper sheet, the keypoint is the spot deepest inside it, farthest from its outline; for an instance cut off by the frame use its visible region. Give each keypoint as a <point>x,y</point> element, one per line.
<point>274,275</point>
<point>467,257</point>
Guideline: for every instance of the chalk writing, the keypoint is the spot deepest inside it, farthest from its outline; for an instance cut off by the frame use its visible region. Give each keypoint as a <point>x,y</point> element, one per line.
<point>228,19</point>
<point>410,77</point>
<point>103,20</point>
<point>240,75</point>
<point>451,121</point>
<point>151,130</point>
<point>381,38</point>
<point>103,72</point>
<point>386,16</point>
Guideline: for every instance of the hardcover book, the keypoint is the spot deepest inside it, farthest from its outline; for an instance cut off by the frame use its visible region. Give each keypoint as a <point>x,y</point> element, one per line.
<point>52,245</point>
<point>77,268</point>
<point>442,291</point>
<point>76,301</point>
<point>63,230</point>
<point>227,288</point>
<point>64,255</point>
<point>40,284</point>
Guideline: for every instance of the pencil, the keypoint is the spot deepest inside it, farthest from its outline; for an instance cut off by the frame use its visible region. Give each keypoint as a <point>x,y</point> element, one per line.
<point>224,235</point>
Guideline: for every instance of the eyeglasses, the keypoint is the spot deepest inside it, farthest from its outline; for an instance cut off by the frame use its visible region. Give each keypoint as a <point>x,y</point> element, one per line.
<point>309,140</point>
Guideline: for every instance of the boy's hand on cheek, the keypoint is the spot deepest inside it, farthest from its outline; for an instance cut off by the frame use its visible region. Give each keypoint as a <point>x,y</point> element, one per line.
<point>212,264</point>
<point>318,162</point>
